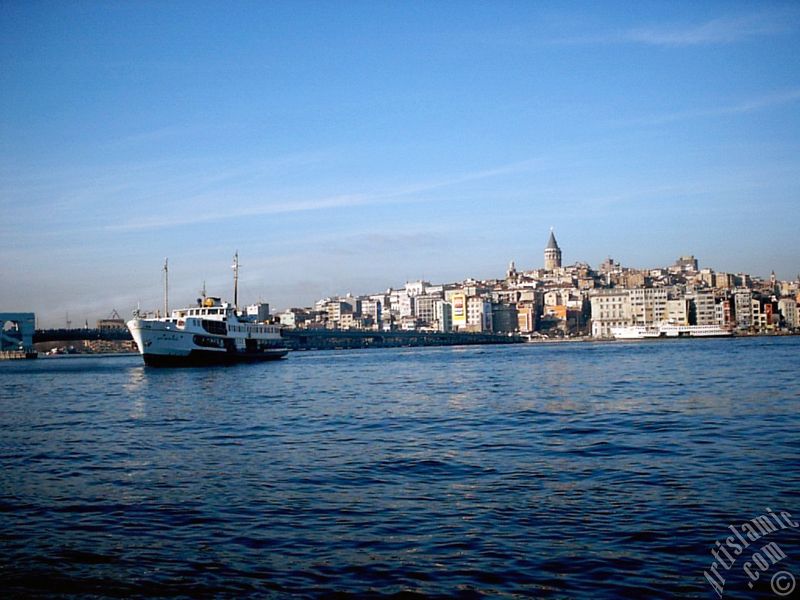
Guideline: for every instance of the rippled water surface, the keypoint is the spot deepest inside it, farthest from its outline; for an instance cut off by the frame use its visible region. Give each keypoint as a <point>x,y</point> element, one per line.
<point>562,471</point>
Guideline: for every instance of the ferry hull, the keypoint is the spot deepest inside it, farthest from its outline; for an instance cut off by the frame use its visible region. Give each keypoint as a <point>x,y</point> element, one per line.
<point>162,344</point>
<point>205,358</point>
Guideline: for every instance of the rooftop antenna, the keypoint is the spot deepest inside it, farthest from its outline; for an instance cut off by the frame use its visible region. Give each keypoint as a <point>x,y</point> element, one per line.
<point>235,268</point>
<point>166,287</point>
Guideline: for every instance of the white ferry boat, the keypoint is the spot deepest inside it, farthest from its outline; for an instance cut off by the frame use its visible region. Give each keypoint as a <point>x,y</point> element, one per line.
<point>635,332</point>
<point>673,330</point>
<point>668,330</point>
<point>213,332</point>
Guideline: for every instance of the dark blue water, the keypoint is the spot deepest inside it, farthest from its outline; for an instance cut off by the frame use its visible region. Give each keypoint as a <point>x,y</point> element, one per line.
<point>563,471</point>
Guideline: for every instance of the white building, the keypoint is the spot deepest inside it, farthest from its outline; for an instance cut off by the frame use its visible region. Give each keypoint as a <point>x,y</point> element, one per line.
<point>405,304</point>
<point>479,314</point>
<point>259,310</point>
<point>648,305</point>
<point>759,316</point>
<point>443,316</point>
<point>416,288</point>
<point>788,308</point>
<point>371,308</point>
<point>610,308</point>
<point>678,311</point>
<point>425,307</point>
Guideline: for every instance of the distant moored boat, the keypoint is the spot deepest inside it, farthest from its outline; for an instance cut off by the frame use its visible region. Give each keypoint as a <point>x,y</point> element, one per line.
<point>667,330</point>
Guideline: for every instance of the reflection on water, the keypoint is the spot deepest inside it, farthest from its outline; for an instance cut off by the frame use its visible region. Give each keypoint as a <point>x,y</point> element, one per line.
<point>538,471</point>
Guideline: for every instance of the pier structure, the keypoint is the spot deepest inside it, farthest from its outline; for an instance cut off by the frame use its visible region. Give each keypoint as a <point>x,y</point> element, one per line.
<point>16,334</point>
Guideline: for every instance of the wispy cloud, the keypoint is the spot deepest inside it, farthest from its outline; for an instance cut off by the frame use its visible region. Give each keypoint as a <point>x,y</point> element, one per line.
<point>748,106</point>
<point>323,203</point>
<point>722,30</point>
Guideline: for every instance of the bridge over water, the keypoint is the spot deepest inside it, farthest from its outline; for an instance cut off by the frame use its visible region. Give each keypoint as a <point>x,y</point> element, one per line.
<point>73,335</point>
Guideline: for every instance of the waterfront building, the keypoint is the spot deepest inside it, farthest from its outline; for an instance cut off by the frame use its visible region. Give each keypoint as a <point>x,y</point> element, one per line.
<point>335,308</point>
<point>479,314</point>
<point>364,323</point>
<point>458,300</point>
<point>788,309</point>
<point>759,316</point>
<point>346,320</point>
<point>723,313</point>
<point>504,318</point>
<point>288,318</point>
<point>702,307</point>
<point>743,308</point>
<point>526,317</point>
<point>443,316</point>
<point>371,308</point>
<point>388,320</point>
<point>409,323</point>
<point>648,305</point>
<point>260,311</point>
<point>425,307</point>
<point>552,254</point>
<point>405,304</point>
<point>610,308</point>
<point>296,317</point>
<point>557,312</point>
<point>678,311</point>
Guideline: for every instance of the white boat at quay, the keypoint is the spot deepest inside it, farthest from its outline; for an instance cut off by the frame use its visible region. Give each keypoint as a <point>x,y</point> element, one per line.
<point>211,333</point>
<point>667,330</point>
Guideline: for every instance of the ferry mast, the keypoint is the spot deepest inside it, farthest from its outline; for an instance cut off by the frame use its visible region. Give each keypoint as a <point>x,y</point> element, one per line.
<point>235,268</point>
<point>166,287</point>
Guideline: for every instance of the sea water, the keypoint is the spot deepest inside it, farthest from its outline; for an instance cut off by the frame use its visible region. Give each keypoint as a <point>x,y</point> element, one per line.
<point>600,470</point>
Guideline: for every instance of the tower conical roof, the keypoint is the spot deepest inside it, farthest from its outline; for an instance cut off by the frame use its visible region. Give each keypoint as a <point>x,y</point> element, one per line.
<point>551,243</point>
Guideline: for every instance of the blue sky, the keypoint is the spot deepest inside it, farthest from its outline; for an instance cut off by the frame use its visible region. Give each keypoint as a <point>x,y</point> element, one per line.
<point>351,146</point>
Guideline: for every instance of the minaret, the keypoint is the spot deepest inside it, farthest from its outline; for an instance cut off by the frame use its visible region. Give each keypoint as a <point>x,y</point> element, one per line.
<point>512,271</point>
<point>552,253</point>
